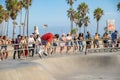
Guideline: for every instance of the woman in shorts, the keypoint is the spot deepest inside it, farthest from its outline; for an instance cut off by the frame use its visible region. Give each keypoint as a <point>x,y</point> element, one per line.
<point>105,39</point>
<point>55,43</point>
<point>68,42</point>
<point>75,48</point>
<point>80,41</point>
<point>4,47</point>
<point>62,42</point>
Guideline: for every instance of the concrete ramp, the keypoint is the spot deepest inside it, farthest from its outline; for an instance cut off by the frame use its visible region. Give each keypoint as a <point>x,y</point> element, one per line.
<point>25,71</point>
<point>72,67</point>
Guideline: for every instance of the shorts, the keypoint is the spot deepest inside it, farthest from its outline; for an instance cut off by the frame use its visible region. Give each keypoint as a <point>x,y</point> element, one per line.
<point>44,42</point>
<point>62,44</point>
<point>96,42</point>
<point>3,47</point>
<point>76,42</point>
<point>54,44</point>
<point>105,41</point>
<point>68,43</point>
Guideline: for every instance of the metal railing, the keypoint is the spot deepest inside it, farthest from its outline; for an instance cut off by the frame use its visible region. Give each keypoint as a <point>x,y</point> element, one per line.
<point>86,50</point>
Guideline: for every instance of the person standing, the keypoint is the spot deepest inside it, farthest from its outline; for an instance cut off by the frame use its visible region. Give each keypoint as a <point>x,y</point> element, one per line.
<point>26,47</point>
<point>80,41</point>
<point>38,45</point>
<point>75,39</point>
<point>88,40</point>
<point>105,39</point>
<point>96,40</point>
<point>4,47</point>
<point>62,42</point>
<point>16,46</point>
<point>31,43</point>
<point>68,42</point>
<point>22,46</point>
<point>114,37</point>
<point>55,43</point>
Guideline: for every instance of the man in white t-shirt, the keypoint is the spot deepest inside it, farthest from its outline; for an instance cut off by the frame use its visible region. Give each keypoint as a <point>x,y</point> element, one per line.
<point>31,42</point>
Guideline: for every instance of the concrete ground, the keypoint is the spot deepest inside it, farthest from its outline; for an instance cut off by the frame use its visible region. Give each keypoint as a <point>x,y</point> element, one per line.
<point>96,66</point>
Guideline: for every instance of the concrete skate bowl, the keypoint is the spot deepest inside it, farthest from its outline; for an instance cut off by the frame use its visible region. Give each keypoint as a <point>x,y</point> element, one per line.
<point>75,67</point>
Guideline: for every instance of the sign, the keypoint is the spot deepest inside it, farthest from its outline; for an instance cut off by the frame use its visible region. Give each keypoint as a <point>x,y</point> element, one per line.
<point>111,25</point>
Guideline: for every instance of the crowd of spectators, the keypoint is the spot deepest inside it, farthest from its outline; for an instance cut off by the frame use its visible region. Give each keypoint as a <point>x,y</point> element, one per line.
<point>52,43</point>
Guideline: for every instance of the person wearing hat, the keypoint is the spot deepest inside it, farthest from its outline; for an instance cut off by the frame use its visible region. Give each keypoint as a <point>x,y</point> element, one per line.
<point>62,42</point>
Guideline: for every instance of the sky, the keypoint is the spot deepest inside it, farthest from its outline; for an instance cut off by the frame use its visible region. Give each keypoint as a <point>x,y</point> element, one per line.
<point>54,13</point>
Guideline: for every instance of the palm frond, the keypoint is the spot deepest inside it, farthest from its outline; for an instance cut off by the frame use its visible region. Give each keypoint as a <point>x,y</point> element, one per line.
<point>118,6</point>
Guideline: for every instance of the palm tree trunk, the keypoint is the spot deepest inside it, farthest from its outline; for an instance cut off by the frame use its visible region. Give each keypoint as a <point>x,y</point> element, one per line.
<point>71,19</point>
<point>24,23</point>
<point>84,31</point>
<point>3,28</point>
<point>77,27</point>
<point>20,22</point>
<point>0,29</point>
<point>80,30</point>
<point>71,25</point>
<point>27,20</point>
<point>14,30</point>
<point>7,27</point>
<point>97,26</point>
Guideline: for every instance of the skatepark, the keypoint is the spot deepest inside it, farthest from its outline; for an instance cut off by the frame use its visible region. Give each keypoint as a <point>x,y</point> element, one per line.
<point>100,66</point>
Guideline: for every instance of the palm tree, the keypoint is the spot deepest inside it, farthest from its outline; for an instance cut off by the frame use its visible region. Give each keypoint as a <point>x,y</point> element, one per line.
<point>74,31</point>
<point>83,10</point>
<point>13,7</point>
<point>70,11</point>
<point>70,2</point>
<point>118,6</point>
<point>70,14</point>
<point>97,15</point>
<point>26,4</point>
<point>76,18</point>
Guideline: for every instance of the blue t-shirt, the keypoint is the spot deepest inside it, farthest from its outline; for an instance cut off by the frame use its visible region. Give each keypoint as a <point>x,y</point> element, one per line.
<point>114,36</point>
